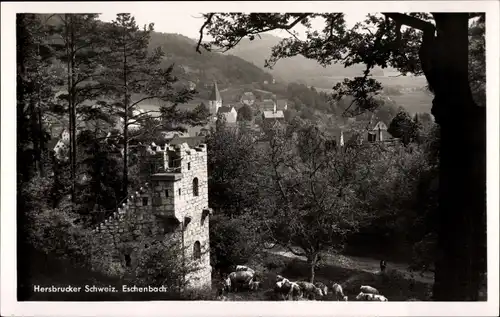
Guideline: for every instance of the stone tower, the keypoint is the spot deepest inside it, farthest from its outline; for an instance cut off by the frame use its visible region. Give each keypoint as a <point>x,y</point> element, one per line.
<point>172,207</point>
<point>214,101</point>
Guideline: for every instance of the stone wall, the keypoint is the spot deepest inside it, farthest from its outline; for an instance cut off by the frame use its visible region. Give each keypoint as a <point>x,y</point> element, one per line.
<point>178,196</point>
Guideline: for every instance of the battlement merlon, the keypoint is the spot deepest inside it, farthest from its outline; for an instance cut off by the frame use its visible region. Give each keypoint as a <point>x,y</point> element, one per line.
<point>176,155</point>
<point>175,158</point>
<point>179,147</point>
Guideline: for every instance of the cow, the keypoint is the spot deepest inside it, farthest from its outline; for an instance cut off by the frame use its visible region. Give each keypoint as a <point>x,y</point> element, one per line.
<point>371,297</point>
<point>322,287</point>
<point>288,289</point>
<point>220,295</point>
<point>379,298</point>
<point>368,290</point>
<point>235,280</point>
<point>240,268</point>
<point>309,290</point>
<point>338,293</point>
<point>254,285</point>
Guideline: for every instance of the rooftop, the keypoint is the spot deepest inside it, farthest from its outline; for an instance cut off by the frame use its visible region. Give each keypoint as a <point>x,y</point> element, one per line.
<point>225,109</point>
<point>274,115</point>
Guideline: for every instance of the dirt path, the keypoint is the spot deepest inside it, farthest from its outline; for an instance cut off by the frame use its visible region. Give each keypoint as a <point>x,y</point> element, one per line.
<point>360,263</point>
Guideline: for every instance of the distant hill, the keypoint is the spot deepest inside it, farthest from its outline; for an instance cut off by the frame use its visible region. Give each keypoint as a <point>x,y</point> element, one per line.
<point>297,68</point>
<point>206,67</point>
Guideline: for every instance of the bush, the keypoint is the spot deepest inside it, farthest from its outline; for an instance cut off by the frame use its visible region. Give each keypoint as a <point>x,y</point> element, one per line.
<point>54,232</point>
<point>274,263</point>
<point>159,265</point>
<point>233,241</point>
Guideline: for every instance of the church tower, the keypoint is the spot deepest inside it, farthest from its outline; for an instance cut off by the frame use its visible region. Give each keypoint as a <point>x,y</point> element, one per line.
<point>214,101</point>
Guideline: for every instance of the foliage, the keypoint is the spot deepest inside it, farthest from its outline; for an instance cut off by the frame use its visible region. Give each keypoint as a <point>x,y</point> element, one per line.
<point>245,113</point>
<point>477,61</point>
<point>307,114</point>
<point>289,114</point>
<point>314,188</point>
<point>233,240</point>
<point>232,165</point>
<point>303,96</point>
<point>54,232</point>
<point>77,42</point>
<point>158,265</point>
<point>398,187</point>
<point>129,68</point>
<point>100,164</point>
<point>403,127</point>
<point>35,80</point>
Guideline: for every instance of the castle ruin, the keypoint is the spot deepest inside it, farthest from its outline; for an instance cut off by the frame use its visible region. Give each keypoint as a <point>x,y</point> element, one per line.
<point>172,208</point>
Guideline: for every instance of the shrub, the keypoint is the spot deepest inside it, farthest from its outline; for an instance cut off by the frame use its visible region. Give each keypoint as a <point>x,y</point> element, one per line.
<point>233,241</point>
<point>54,231</point>
<point>274,263</point>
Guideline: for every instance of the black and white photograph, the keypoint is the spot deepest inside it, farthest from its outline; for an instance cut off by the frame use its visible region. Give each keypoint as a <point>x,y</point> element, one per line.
<point>245,154</point>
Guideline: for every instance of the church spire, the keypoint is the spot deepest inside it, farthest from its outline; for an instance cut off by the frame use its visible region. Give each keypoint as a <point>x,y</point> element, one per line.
<point>215,95</point>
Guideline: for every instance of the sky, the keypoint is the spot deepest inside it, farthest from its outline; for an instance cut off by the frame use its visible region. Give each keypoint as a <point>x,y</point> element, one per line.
<point>189,23</point>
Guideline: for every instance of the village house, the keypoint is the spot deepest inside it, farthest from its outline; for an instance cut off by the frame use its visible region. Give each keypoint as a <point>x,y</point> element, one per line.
<point>229,113</point>
<point>267,105</point>
<point>270,118</point>
<point>273,105</point>
<point>377,132</point>
<point>360,133</point>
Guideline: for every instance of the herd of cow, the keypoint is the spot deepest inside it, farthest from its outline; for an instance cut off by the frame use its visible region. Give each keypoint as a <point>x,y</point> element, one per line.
<point>244,277</point>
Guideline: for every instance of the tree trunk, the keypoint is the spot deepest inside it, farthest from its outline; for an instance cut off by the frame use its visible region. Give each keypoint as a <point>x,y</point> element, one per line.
<point>125,127</point>
<point>462,202</point>
<point>41,139</point>
<point>312,261</point>
<point>73,110</point>
<point>69,55</point>
<point>34,133</point>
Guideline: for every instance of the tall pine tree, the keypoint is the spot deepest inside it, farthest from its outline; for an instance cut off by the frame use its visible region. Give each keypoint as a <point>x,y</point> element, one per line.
<point>132,71</point>
<point>78,41</point>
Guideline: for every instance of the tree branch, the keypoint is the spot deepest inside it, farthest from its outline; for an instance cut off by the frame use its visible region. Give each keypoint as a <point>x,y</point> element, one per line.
<point>413,22</point>
<point>146,98</point>
<point>208,20</point>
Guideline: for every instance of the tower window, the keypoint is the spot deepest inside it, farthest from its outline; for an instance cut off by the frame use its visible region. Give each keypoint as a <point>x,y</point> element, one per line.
<point>144,201</point>
<point>179,191</point>
<point>197,250</point>
<point>166,192</point>
<point>128,260</point>
<point>195,187</point>
<point>189,166</point>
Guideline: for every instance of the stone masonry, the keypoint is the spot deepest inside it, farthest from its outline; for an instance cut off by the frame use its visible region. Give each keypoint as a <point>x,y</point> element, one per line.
<point>172,208</point>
